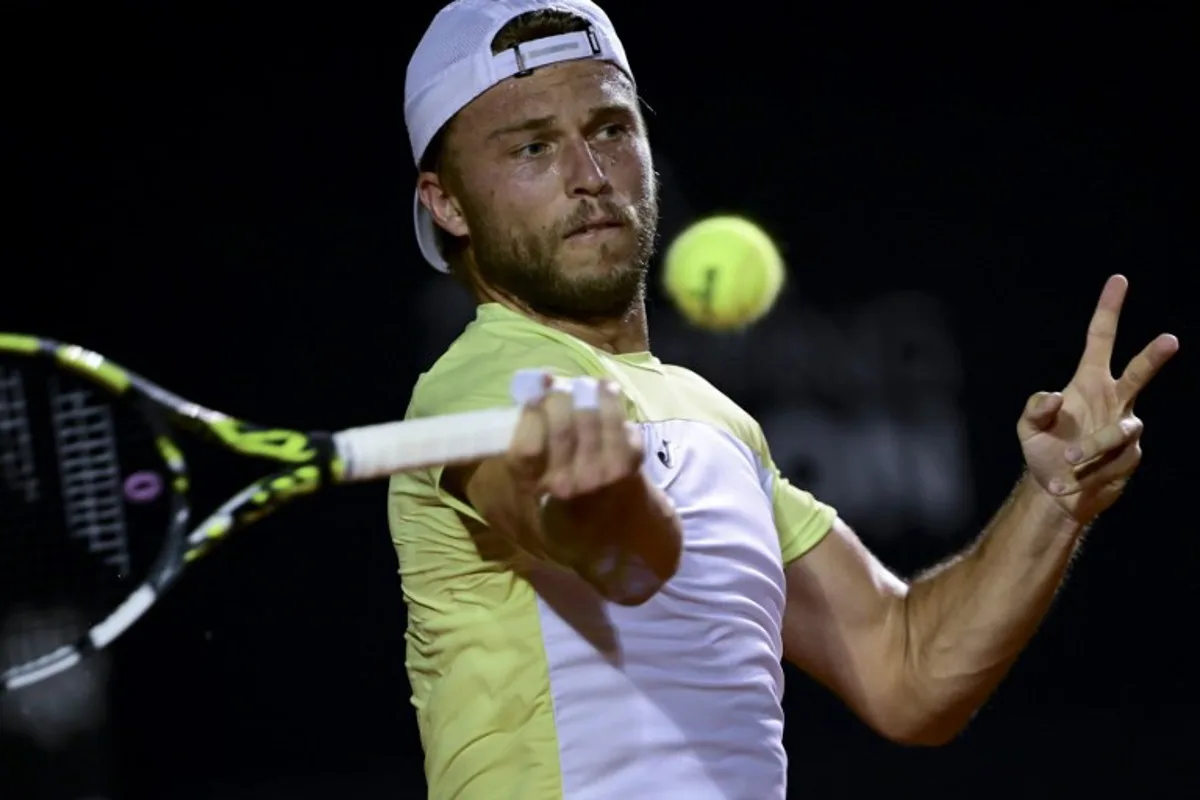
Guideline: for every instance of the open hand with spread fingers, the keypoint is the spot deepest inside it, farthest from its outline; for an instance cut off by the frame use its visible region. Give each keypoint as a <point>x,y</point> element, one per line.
<point>1082,444</point>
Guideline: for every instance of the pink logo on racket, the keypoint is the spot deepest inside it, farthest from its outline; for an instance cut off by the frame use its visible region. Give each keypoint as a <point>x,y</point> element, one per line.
<point>142,487</point>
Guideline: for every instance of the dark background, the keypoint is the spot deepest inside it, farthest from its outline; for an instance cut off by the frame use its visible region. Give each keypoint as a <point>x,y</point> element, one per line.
<point>223,204</point>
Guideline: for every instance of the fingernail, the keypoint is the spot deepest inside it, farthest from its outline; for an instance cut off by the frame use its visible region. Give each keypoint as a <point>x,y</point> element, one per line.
<point>1074,454</point>
<point>1057,486</point>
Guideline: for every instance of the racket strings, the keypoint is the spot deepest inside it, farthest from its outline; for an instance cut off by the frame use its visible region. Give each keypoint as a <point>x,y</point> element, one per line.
<point>89,472</point>
<point>78,528</point>
<point>18,473</point>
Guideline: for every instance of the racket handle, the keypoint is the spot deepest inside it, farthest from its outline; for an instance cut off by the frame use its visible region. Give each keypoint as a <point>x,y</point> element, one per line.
<point>377,451</point>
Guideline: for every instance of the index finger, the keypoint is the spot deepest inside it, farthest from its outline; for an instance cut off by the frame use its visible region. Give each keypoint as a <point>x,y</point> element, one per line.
<point>1102,330</point>
<point>1144,366</point>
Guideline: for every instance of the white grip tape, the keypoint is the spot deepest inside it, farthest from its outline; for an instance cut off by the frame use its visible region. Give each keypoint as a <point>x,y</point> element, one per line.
<point>377,451</point>
<point>585,394</point>
<point>528,386</point>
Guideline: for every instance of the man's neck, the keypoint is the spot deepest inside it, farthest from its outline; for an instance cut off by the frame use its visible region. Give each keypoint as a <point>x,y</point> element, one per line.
<point>625,334</point>
<point>629,334</point>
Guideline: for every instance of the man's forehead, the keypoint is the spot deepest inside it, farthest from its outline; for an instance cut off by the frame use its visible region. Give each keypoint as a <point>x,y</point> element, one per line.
<point>554,90</point>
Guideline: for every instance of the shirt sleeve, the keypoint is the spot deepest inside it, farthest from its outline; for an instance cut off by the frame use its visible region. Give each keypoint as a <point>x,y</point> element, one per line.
<point>801,520</point>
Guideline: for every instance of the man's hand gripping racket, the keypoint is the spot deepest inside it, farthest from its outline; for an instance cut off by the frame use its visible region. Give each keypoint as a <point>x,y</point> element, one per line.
<point>94,489</point>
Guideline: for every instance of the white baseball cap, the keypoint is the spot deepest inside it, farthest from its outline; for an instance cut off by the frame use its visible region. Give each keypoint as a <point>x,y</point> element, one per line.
<point>454,64</point>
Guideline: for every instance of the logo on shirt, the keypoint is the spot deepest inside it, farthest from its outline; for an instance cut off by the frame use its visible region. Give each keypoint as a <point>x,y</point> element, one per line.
<point>664,453</point>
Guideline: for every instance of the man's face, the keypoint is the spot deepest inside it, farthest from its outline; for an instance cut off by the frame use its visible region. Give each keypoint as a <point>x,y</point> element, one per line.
<point>556,187</point>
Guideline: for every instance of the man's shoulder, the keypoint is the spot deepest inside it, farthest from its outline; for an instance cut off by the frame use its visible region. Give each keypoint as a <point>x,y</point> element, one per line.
<point>711,404</point>
<point>683,376</point>
<point>476,369</point>
<point>702,391</point>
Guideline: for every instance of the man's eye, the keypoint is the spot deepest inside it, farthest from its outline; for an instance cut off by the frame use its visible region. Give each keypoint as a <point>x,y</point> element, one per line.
<point>613,131</point>
<point>532,150</point>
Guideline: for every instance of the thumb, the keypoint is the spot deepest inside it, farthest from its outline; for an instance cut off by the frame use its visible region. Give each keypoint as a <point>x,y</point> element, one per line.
<point>1040,412</point>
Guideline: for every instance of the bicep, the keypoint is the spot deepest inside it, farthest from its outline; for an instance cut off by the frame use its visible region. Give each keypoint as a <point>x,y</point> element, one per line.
<point>844,622</point>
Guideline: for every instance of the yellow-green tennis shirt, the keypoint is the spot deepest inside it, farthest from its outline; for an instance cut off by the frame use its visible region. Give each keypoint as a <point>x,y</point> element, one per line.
<point>527,685</point>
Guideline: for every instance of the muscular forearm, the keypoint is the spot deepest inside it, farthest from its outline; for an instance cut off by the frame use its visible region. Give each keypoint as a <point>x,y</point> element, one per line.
<point>625,540</point>
<point>968,620</point>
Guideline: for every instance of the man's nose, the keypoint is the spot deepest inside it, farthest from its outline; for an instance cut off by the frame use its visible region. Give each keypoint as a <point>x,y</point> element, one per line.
<point>586,176</point>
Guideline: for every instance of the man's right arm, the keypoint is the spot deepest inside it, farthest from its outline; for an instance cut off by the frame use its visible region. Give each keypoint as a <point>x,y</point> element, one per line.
<point>570,489</point>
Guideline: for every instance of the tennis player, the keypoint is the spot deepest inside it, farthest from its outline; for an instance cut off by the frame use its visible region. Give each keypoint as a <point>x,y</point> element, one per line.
<point>603,612</point>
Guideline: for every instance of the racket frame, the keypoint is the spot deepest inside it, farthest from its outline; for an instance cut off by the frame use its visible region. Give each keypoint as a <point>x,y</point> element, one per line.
<point>311,461</point>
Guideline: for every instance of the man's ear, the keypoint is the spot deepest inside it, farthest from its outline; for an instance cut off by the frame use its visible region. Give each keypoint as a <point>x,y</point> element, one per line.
<point>441,204</point>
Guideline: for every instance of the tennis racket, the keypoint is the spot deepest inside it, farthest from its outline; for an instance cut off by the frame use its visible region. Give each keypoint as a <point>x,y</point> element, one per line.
<point>94,489</point>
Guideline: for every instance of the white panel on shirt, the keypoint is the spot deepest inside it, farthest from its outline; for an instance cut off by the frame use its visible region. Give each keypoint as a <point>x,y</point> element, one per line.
<point>679,697</point>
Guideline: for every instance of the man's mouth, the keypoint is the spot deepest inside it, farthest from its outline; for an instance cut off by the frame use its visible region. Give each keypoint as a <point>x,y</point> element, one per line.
<point>595,226</point>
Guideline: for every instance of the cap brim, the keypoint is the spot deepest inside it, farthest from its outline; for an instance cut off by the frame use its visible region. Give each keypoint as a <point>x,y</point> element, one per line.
<point>427,237</point>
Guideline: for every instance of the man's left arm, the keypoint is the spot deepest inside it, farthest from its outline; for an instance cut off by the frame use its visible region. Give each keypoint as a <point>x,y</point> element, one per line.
<point>916,660</point>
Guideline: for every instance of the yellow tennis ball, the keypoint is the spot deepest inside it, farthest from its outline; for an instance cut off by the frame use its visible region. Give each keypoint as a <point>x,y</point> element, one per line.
<point>723,273</point>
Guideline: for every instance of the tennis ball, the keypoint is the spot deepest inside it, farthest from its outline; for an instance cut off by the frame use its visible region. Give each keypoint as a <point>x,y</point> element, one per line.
<point>723,273</point>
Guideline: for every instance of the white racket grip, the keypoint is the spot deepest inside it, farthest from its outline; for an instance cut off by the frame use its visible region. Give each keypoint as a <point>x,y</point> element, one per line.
<point>377,451</point>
